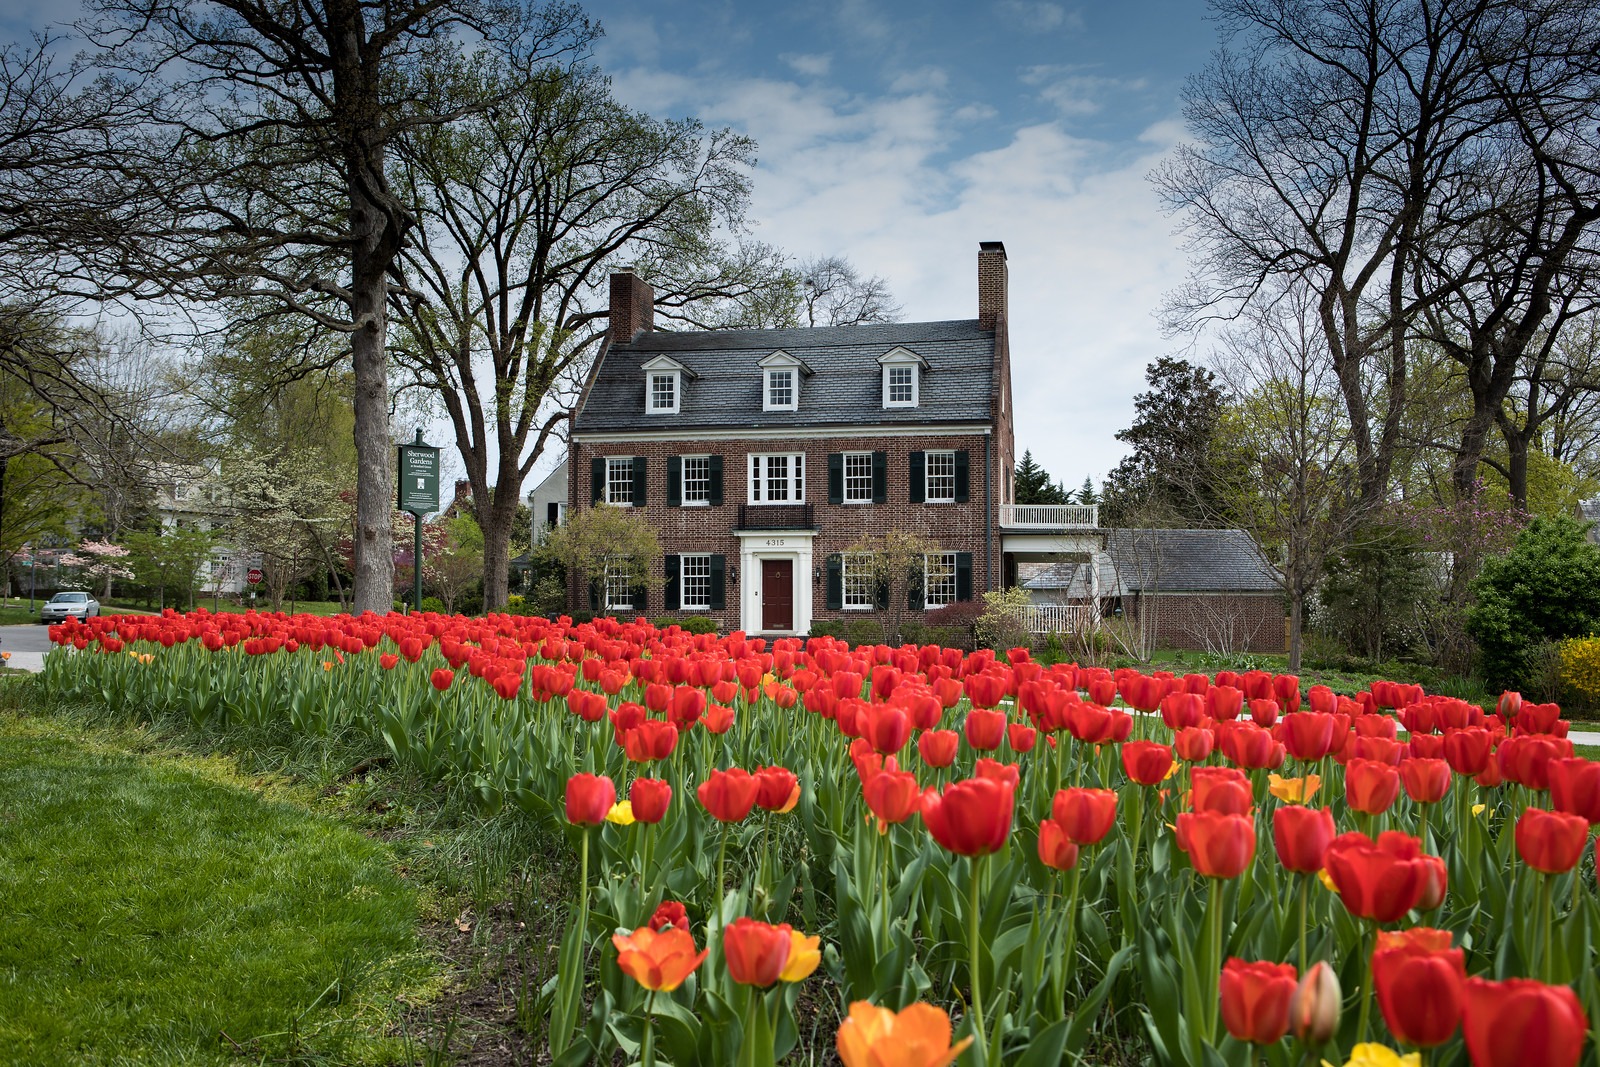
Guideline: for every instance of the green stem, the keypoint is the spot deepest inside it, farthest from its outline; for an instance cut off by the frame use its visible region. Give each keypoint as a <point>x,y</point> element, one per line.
<point>647,1050</point>
<point>976,864</point>
<point>747,1047</point>
<point>1214,938</point>
<point>1546,905</point>
<point>1305,893</point>
<point>883,887</point>
<point>583,888</point>
<point>1366,984</point>
<point>1069,955</point>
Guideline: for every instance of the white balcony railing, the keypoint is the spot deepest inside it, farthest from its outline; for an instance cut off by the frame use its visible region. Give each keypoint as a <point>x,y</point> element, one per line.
<point>1049,516</point>
<point>1060,618</point>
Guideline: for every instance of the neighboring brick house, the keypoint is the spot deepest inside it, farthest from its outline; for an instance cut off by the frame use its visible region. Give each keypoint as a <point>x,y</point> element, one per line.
<point>761,455</point>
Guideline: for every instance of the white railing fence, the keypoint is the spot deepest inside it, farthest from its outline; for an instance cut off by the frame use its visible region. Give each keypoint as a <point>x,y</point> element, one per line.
<point>1049,516</point>
<point>1060,618</point>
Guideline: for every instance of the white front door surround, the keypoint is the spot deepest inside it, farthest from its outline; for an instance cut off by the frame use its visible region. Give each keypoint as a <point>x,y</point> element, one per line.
<point>757,545</point>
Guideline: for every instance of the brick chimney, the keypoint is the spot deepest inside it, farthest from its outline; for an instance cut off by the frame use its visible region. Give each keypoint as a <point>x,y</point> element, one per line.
<point>991,283</point>
<point>633,308</point>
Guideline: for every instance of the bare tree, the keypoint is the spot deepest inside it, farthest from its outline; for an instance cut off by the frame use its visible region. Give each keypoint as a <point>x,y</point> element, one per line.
<point>259,171</point>
<point>523,211</point>
<point>834,293</point>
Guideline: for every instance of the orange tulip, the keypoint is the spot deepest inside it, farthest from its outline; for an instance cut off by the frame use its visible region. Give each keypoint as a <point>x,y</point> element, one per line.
<point>917,1036</point>
<point>657,959</point>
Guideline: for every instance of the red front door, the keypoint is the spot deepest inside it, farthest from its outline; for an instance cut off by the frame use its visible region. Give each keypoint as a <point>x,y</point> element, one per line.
<point>777,594</point>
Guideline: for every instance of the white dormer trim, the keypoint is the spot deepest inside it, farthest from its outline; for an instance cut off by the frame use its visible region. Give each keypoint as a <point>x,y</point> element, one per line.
<point>668,374</point>
<point>780,379</point>
<point>896,363</point>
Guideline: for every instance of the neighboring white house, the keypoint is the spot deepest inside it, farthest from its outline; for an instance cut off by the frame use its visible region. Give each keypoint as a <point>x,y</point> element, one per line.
<point>191,496</point>
<point>548,502</point>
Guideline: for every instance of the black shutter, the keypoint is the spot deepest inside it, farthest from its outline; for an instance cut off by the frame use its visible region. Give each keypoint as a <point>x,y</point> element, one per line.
<point>835,599</point>
<point>882,598</point>
<point>719,596</point>
<point>919,478</point>
<point>639,496</point>
<point>836,477</point>
<point>594,593</point>
<point>963,575</point>
<point>880,477</point>
<point>552,513</point>
<point>674,481</point>
<point>716,481</point>
<point>640,595</point>
<point>916,579</point>
<point>597,479</point>
<point>670,596</point>
<point>962,477</point>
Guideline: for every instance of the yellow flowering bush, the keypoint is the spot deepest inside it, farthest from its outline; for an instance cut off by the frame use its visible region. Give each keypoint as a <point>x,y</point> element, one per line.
<point>1580,667</point>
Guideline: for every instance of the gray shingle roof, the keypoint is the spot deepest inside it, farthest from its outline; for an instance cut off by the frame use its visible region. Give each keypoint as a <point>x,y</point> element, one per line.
<point>846,388</point>
<point>1178,561</point>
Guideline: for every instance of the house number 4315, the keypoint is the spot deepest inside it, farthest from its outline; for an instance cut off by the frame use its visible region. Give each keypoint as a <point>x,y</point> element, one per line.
<point>776,542</point>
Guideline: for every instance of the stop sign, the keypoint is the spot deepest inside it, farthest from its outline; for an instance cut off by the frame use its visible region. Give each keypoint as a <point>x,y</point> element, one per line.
<point>253,576</point>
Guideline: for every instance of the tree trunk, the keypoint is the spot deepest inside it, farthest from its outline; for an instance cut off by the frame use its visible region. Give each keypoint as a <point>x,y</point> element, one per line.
<point>374,550</point>
<point>497,557</point>
<point>1297,602</point>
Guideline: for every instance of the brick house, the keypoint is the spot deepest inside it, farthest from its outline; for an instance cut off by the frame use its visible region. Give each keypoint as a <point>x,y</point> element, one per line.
<point>761,455</point>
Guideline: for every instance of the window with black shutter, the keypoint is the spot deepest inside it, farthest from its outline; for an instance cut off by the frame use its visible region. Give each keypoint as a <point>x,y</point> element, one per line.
<point>918,476</point>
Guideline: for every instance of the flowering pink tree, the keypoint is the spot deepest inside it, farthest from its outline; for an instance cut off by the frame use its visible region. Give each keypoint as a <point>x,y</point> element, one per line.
<point>99,562</point>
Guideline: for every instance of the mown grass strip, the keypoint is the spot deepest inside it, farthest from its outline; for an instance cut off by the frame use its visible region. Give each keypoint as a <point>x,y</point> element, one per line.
<point>158,910</point>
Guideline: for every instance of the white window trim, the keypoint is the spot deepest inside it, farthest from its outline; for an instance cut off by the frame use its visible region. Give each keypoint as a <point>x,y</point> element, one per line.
<point>650,392</point>
<point>683,482</point>
<point>844,587</point>
<point>683,584</point>
<point>927,476</point>
<point>916,385</point>
<point>612,573</point>
<point>794,389</point>
<point>797,471</point>
<point>927,584</point>
<point>846,475</point>
<point>607,495</point>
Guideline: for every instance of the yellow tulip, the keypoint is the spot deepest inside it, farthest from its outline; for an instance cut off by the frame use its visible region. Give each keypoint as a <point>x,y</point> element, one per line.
<point>1371,1054</point>
<point>621,813</point>
<point>804,955</point>
<point>1293,790</point>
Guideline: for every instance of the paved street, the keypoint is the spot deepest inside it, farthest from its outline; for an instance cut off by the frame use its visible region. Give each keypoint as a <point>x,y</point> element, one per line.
<point>27,644</point>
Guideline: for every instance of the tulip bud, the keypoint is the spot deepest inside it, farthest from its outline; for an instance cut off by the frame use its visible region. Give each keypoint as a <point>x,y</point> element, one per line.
<point>1314,1007</point>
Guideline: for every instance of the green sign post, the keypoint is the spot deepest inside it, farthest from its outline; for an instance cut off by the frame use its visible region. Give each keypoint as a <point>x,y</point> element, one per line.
<point>419,494</point>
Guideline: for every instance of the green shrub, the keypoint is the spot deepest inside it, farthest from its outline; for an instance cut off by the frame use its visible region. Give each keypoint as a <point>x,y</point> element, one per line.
<point>432,603</point>
<point>863,632</point>
<point>1000,626</point>
<point>698,624</point>
<point>1545,588</point>
<point>826,628</point>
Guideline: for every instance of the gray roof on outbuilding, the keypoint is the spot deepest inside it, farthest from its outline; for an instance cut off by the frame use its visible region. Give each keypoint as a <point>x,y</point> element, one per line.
<point>1199,561</point>
<point>846,386</point>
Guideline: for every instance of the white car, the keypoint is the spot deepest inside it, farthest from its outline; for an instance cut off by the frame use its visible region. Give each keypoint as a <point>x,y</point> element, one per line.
<point>65,606</point>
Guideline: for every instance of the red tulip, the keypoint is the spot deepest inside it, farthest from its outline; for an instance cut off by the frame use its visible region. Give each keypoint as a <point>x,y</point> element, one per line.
<point>1575,787</point>
<point>1255,999</point>
<point>1322,700</point>
<point>1302,836</point>
<point>938,748</point>
<point>1526,759</point>
<point>1551,841</point>
<point>1522,1023</point>
<point>1180,710</point>
<point>1250,746</point>
<point>1421,984</point>
<point>650,740</point>
<point>886,727</point>
<point>985,729</point>
<point>718,718</point>
<point>971,817</point>
<point>441,678</point>
<point>777,789</point>
<point>1146,762</point>
<point>1224,702</point>
<point>1314,1008</point>
<point>1370,786</point>
<point>1264,713</point>
<point>1056,848</point>
<point>1468,751</point>
<point>1221,789</point>
<point>1426,780</point>
<point>1219,846</point>
<point>985,691</point>
<point>589,799</point>
<point>756,951</point>
<point>1091,723</point>
<point>1308,735</point>
<point>1379,880</point>
<point>1005,773</point>
<point>729,795</point>
<point>1193,744</point>
<point>892,795</point>
<point>1085,815</point>
<point>650,798</point>
<point>669,913</point>
<point>1021,737</point>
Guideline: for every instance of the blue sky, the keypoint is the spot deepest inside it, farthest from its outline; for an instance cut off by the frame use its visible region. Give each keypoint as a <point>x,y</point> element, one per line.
<point>899,135</point>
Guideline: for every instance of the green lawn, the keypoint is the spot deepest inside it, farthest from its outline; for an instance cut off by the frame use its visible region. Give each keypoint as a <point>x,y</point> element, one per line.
<point>302,607</point>
<point>154,903</point>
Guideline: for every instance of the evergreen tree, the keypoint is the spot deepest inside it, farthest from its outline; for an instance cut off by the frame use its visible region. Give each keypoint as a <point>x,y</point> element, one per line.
<point>1086,494</point>
<point>1034,486</point>
<point>1169,478</point>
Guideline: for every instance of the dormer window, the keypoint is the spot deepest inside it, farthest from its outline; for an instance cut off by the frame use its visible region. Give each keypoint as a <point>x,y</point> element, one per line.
<point>902,378</point>
<point>663,385</point>
<point>780,382</point>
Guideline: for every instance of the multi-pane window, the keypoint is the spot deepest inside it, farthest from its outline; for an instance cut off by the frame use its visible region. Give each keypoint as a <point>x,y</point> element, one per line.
<point>619,589</point>
<point>777,479</point>
<point>664,392</point>
<point>697,479</point>
<point>694,577</point>
<point>941,487</point>
<point>780,390</point>
<point>858,477</point>
<point>858,587</point>
<point>619,482</point>
<point>939,579</point>
<point>901,385</point>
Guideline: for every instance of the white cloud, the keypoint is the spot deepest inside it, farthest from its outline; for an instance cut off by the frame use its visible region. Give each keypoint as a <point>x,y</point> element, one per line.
<point>871,178</point>
<point>812,65</point>
<point>1075,92</point>
<point>1041,17</point>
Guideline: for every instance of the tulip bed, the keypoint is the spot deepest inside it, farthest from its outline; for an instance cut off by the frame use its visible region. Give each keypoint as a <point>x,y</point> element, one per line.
<point>1072,864</point>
